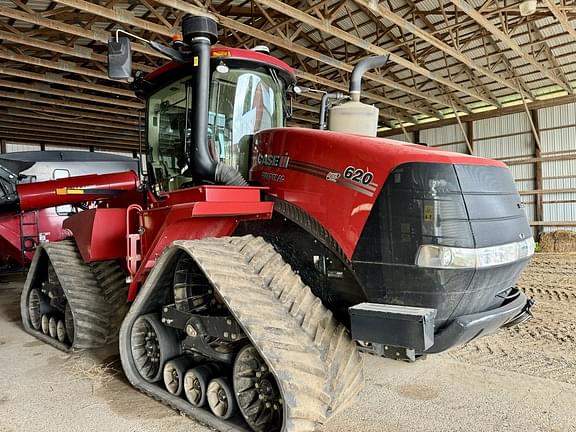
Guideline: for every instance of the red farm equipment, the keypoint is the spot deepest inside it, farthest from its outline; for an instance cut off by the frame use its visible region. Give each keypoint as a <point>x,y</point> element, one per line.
<point>22,232</point>
<point>261,259</point>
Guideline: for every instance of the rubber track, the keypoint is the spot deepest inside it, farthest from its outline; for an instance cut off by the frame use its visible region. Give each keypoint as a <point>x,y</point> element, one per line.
<point>93,315</point>
<point>312,356</point>
<point>112,282</point>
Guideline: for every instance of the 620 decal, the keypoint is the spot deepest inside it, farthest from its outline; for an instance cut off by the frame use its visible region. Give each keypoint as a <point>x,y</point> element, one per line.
<point>358,175</point>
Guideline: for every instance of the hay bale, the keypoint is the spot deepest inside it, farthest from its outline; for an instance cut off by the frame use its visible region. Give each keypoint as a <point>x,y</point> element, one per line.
<point>558,241</point>
<point>547,242</point>
<point>565,241</point>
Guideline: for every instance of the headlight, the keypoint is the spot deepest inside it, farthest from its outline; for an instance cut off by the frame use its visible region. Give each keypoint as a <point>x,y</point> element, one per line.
<point>450,257</point>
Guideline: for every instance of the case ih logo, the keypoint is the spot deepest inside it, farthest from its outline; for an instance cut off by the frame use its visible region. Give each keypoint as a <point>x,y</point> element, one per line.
<point>274,160</point>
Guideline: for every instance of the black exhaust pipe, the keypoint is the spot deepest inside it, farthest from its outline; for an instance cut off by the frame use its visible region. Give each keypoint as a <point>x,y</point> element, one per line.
<point>359,70</point>
<point>200,33</point>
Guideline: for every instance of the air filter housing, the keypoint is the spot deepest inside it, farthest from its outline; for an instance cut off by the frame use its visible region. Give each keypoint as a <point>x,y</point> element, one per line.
<point>199,26</point>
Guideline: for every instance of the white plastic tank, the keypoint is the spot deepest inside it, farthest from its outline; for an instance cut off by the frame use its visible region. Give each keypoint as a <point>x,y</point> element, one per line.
<point>354,117</point>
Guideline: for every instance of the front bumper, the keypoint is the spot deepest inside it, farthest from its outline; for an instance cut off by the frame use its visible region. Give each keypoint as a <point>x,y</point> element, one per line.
<point>468,327</point>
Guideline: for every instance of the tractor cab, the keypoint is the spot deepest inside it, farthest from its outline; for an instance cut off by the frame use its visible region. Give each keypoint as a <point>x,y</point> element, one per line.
<point>247,93</point>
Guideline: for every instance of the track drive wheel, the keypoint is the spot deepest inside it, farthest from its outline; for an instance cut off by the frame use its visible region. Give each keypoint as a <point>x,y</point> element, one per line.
<point>257,391</point>
<point>152,344</point>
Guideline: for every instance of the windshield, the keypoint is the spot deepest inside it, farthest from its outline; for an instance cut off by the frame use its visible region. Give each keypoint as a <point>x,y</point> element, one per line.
<point>243,101</point>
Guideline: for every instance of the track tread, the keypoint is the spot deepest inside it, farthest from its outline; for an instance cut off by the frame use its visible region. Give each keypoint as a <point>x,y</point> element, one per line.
<point>317,383</point>
<point>92,290</point>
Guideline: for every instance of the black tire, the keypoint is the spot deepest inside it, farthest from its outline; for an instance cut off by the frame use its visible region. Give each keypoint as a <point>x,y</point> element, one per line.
<point>152,344</point>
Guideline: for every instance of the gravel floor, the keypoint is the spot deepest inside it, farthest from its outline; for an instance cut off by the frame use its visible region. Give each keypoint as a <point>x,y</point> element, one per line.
<point>518,380</point>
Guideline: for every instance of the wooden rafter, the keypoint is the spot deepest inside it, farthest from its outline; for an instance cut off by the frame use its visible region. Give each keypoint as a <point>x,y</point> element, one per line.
<point>508,42</point>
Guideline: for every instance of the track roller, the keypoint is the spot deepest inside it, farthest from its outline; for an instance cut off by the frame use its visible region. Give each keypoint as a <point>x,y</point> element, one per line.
<point>61,331</point>
<point>52,331</point>
<point>196,384</point>
<point>45,324</point>
<point>174,371</point>
<point>221,398</point>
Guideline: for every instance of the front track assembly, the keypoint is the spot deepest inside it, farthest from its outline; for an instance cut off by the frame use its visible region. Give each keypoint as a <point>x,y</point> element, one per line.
<point>69,304</point>
<point>283,362</point>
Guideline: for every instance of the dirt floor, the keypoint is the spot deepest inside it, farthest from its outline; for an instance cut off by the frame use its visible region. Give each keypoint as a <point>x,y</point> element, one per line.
<point>522,379</point>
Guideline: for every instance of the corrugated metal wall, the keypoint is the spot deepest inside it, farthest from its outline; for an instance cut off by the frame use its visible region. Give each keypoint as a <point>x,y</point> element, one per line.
<point>558,138</point>
<point>450,138</point>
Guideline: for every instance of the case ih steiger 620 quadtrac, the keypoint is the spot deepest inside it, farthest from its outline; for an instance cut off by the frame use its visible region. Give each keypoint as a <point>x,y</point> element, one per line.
<point>260,259</point>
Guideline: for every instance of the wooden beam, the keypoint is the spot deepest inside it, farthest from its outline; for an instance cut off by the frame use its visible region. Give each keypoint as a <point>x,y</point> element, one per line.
<point>60,113</point>
<point>36,139</point>
<point>566,25</point>
<point>78,51</point>
<point>39,88</point>
<point>49,64</point>
<point>68,104</point>
<point>75,30</point>
<point>538,180</point>
<point>510,44</point>
<point>128,18</point>
<point>63,139</point>
<point>538,104</point>
<point>58,79</point>
<point>116,127</point>
<point>292,47</point>
<point>57,126</point>
<point>379,10</point>
<point>326,27</point>
<point>52,130</point>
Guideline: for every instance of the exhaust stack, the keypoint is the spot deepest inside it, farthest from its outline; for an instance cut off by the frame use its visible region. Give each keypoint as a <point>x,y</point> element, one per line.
<point>200,33</point>
<point>354,116</point>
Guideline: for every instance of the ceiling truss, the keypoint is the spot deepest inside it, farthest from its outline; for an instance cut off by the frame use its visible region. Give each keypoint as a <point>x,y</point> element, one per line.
<point>458,57</point>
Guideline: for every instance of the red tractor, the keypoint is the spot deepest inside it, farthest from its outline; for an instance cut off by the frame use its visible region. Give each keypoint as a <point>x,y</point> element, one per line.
<point>261,259</point>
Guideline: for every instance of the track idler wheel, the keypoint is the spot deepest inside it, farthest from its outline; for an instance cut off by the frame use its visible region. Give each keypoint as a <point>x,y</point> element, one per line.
<point>257,391</point>
<point>221,398</point>
<point>152,344</point>
<point>196,383</point>
<point>174,371</point>
<point>45,324</point>
<point>52,324</point>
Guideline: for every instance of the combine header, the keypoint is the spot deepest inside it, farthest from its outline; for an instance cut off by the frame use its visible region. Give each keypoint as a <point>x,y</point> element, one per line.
<point>261,259</point>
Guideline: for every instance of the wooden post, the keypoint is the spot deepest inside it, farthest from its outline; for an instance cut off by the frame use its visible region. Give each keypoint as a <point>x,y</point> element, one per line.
<point>2,146</point>
<point>538,180</point>
<point>470,135</point>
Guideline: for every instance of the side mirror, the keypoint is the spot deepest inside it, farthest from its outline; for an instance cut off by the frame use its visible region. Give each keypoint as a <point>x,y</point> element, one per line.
<point>119,58</point>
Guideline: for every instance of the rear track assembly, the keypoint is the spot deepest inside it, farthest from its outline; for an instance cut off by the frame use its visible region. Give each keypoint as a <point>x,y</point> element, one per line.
<point>85,303</point>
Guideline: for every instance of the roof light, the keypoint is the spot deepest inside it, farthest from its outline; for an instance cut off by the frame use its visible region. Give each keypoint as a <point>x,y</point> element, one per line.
<point>528,7</point>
